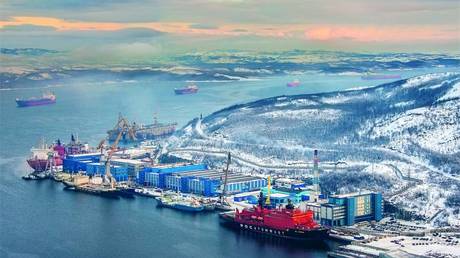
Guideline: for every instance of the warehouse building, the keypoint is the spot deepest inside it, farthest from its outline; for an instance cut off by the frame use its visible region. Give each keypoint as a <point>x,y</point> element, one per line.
<point>78,162</point>
<point>118,172</point>
<point>133,166</point>
<point>348,209</point>
<point>197,179</point>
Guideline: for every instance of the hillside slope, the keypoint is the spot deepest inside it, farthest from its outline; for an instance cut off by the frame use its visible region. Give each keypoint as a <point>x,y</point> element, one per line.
<point>412,125</point>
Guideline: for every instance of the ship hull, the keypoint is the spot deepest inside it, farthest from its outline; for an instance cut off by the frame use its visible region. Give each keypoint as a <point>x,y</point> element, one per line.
<point>99,192</point>
<point>32,103</point>
<point>149,132</point>
<point>185,91</point>
<point>178,206</point>
<point>40,165</point>
<point>292,84</point>
<point>188,208</point>
<point>314,235</point>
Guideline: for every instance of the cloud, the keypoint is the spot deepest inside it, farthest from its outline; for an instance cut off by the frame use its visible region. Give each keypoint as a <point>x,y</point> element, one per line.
<point>28,28</point>
<point>380,33</point>
<point>117,53</point>
<point>361,33</point>
<point>203,26</point>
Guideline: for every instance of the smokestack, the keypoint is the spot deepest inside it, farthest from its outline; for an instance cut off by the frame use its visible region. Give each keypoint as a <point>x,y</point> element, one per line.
<point>316,172</point>
<point>315,159</point>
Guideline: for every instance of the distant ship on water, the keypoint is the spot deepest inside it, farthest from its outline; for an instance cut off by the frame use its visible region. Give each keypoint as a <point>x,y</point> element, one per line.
<point>190,89</point>
<point>46,99</point>
<point>380,76</point>
<point>294,83</point>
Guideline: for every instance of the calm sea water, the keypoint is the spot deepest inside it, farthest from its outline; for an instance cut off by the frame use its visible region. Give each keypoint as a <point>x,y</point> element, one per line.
<point>39,219</point>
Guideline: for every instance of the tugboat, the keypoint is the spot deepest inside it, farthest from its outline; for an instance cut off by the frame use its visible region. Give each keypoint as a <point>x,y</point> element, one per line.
<point>288,222</point>
<point>190,89</point>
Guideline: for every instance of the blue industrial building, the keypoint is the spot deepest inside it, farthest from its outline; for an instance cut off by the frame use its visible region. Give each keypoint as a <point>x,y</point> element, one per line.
<point>89,164</point>
<point>348,209</point>
<point>197,179</point>
<point>78,162</point>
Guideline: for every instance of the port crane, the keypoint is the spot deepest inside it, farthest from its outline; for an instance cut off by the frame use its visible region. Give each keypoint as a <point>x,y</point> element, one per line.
<point>108,176</point>
<point>222,204</point>
<point>125,127</point>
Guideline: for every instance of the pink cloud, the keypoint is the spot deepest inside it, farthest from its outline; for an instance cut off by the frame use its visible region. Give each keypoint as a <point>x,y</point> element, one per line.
<point>360,33</point>
<point>381,34</point>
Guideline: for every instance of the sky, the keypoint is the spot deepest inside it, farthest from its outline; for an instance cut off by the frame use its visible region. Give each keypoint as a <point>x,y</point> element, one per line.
<point>154,27</point>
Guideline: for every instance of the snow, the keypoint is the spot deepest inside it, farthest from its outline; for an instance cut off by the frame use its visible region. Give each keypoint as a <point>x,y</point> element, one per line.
<point>325,114</point>
<point>381,169</point>
<point>421,80</point>
<point>424,248</point>
<point>339,98</point>
<point>404,103</point>
<point>453,93</point>
<point>401,136</point>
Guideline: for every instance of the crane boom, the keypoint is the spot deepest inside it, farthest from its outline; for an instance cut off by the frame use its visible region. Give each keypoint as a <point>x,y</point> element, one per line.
<point>224,191</point>
<point>110,153</point>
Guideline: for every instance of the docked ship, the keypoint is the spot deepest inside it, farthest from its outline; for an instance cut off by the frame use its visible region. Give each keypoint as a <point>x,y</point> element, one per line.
<point>46,99</point>
<point>380,76</point>
<point>135,132</point>
<point>45,156</point>
<point>190,89</point>
<point>154,193</point>
<point>294,83</point>
<point>288,222</point>
<point>180,203</point>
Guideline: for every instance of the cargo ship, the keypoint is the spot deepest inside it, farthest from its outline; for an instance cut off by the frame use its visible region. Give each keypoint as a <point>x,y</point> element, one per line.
<point>46,99</point>
<point>287,222</point>
<point>134,132</point>
<point>190,89</point>
<point>95,190</point>
<point>294,83</point>
<point>380,76</point>
<point>45,156</point>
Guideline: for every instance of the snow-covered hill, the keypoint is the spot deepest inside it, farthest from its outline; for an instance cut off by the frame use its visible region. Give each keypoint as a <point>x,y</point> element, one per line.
<point>411,125</point>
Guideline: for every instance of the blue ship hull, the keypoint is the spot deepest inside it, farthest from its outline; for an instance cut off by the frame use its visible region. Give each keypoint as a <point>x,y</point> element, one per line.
<point>35,102</point>
<point>184,91</point>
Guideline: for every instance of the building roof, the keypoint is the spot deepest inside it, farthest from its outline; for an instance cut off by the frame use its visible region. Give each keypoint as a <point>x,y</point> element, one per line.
<point>355,194</point>
<point>279,195</point>
<point>128,161</point>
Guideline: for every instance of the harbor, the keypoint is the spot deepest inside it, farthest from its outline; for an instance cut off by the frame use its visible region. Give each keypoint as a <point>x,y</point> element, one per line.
<point>136,221</point>
<point>286,208</point>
